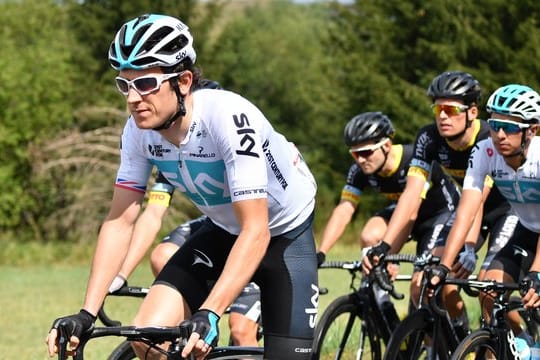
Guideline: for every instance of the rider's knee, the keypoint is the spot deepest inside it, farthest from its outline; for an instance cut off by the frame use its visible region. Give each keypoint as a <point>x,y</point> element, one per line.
<point>243,332</point>
<point>159,257</point>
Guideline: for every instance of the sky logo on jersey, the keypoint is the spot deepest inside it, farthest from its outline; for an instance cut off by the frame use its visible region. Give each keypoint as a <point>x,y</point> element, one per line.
<point>247,142</point>
<point>525,192</point>
<point>203,182</point>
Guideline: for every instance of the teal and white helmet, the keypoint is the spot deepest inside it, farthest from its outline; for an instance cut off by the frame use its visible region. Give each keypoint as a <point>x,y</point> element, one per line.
<point>516,100</point>
<point>151,40</point>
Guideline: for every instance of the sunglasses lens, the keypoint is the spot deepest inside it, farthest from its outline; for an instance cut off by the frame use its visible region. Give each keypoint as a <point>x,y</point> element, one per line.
<point>363,153</point>
<point>146,84</point>
<point>450,110</point>
<point>122,85</point>
<point>508,128</point>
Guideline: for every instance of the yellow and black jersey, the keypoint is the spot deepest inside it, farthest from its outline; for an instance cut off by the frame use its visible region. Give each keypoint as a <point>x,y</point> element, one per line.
<point>441,192</point>
<point>431,147</point>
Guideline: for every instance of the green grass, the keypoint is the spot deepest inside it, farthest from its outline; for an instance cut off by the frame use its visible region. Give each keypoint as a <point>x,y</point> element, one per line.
<point>34,295</point>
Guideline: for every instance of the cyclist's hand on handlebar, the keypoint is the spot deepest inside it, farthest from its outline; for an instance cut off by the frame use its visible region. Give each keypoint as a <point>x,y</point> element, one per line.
<point>466,263</point>
<point>437,276</point>
<point>374,255</point>
<point>204,333</point>
<point>118,282</point>
<point>75,325</point>
<point>531,298</point>
<point>320,258</point>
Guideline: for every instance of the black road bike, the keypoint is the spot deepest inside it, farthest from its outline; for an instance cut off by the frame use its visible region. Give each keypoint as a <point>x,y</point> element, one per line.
<point>494,339</point>
<point>359,324</point>
<point>428,332</point>
<point>154,336</point>
<point>124,350</point>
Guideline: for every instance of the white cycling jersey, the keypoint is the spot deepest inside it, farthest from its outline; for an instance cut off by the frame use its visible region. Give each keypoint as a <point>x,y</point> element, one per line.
<point>521,187</point>
<point>231,153</point>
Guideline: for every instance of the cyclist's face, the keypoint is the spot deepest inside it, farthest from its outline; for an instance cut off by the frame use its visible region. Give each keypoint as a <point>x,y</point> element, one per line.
<point>451,115</point>
<point>370,155</point>
<point>506,136</point>
<point>150,110</point>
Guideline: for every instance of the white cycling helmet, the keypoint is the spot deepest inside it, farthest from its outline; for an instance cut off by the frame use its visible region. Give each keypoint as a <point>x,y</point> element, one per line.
<point>149,41</point>
<point>516,100</point>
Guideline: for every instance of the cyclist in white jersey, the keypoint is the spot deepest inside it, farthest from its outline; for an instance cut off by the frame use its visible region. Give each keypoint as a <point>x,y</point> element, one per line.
<point>221,152</point>
<point>511,156</point>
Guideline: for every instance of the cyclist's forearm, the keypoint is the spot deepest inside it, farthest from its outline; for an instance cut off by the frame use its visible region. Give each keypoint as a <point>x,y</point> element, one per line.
<point>536,262</point>
<point>243,260</point>
<point>144,233</point>
<point>466,225</point>
<point>340,218</point>
<point>111,248</point>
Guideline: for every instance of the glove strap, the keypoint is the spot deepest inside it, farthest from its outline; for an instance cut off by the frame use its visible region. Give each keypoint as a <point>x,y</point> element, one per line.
<point>88,315</point>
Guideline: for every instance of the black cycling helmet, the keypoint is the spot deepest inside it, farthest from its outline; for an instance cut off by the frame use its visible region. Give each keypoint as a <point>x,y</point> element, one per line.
<point>455,85</point>
<point>368,126</point>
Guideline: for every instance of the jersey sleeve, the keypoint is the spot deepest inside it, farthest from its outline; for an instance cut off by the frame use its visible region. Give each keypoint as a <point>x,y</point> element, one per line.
<point>422,158</point>
<point>135,168</point>
<point>352,191</point>
<point>477,175</point>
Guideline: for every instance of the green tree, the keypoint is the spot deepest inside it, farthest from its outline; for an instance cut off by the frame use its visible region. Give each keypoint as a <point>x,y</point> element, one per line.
<point>275,55</point>
<point>402,46</point>
<point>36,100</point>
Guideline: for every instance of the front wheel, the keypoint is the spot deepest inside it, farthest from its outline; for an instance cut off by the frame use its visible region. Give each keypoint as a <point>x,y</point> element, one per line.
<point>342,334</point>
<point>408,341</point>
<point>477,345</point>
<point>124,351</point>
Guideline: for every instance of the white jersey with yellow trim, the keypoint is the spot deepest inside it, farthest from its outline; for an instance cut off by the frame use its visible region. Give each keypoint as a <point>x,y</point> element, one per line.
<point>231,153</point>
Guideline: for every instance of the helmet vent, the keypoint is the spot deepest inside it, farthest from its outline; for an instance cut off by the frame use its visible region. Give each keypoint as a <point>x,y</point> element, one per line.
<point>156,37</point>
<point>175,45</point>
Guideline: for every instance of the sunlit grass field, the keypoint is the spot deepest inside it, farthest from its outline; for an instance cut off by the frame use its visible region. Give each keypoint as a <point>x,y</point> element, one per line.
<point>34,295</point>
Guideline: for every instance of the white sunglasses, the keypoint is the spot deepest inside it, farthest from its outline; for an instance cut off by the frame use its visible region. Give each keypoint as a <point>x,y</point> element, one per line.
<point>367,150</point>
<point>144,85</point>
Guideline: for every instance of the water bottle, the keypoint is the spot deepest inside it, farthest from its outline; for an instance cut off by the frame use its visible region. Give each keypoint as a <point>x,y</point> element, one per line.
<point>522,348</point>
<point>521,345</point>
<point>535,351</point>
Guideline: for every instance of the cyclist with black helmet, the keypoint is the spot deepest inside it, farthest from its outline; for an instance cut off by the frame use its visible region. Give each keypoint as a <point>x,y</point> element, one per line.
<point>511,156</point>
<point>219,150</point>
<point>449,142</point>
<point>382,166</point>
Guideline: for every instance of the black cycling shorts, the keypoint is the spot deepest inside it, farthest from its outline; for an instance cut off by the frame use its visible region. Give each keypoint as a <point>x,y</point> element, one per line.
<point>287,277</point>
<point>501,228</point>
<point>179,235</point>
<point>517,256</point>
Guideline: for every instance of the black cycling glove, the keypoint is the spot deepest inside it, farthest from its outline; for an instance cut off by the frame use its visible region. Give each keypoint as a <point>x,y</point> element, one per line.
<point>77,324</point>
<point>205,323</point>
<point>533,281</point>
<point>380,250</point>
<point>441,271</point>
<point>320,258</point>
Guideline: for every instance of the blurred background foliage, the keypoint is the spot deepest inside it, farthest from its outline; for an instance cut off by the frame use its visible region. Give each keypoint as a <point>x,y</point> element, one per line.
<point>309,67</point>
